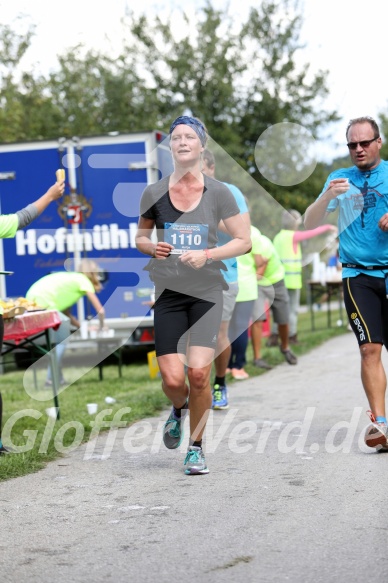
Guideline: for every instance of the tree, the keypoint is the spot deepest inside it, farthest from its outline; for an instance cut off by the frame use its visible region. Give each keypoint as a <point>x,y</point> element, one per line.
<point>240,79</point>
<point>196,72</point>
<point>26,110</point>
<point>98,94</point>
<point>383,125</point>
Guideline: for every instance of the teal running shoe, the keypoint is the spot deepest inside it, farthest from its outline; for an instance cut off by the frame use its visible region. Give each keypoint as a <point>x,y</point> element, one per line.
<point>173,430</point>
<point>220,397</point>
<point>195,462</point>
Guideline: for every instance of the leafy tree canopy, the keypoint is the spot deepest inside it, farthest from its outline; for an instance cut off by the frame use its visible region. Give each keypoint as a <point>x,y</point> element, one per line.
<point>239,78</point>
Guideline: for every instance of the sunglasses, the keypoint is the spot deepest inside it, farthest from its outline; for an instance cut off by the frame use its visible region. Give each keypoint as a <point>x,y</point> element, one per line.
<point>364,144</point>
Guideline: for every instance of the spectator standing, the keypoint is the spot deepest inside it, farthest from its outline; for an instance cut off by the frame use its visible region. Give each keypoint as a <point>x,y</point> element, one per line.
<point>9,225</point>
<point>271,288</point>
<point>288,246</point>
<point>241,317</point>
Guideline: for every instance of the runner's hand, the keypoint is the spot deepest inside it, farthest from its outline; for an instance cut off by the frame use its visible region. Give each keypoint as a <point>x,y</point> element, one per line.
<point>337,186</point>
<point>162,250</point>
<point>195,259</point>
<point>383,222</point>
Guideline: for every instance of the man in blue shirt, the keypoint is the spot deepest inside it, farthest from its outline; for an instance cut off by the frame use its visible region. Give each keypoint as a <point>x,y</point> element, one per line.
<point>220,393</point>
<point>360,194</point>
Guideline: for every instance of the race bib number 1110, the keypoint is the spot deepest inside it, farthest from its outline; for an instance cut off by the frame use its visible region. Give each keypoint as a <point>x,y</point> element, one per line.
<point>186,237</point>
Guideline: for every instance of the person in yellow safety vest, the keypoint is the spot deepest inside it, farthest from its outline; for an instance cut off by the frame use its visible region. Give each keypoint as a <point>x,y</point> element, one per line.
<point>287,244</point>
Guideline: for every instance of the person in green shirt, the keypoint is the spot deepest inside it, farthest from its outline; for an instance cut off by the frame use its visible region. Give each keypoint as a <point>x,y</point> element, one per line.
<point>61,291</point>
<point>9,225</point>
<point>247,266</point>
<point>271,289</point>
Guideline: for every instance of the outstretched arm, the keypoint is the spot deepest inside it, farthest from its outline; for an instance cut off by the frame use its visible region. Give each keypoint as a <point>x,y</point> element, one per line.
<point>303,235</point>
<point>53,193</point>
<point>28,214</point>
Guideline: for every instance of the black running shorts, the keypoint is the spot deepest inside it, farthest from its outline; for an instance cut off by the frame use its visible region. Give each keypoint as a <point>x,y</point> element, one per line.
<point>367,308</point>
<point>180,319</point>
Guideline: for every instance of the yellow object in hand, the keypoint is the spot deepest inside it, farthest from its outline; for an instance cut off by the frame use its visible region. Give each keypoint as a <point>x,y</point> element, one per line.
<point>60,174</point>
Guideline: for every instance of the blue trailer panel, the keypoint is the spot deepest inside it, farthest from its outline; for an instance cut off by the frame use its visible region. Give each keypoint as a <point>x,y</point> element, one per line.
<point>105,178</point>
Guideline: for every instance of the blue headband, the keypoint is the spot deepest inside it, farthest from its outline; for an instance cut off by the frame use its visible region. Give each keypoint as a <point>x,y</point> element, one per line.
<point>194,124</point>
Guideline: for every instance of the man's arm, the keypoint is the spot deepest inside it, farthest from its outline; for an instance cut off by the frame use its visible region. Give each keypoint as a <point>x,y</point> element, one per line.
<point>316,213</point>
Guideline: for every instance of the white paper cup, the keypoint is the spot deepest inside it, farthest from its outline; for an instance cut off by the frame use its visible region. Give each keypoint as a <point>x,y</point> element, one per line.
<point>92,408</point>
<point>84,330</point>
<point>108,333</point>
<point>52,412</point>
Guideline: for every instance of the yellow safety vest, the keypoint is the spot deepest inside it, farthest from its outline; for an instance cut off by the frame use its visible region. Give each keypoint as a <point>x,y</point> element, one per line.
<point>292,261</point>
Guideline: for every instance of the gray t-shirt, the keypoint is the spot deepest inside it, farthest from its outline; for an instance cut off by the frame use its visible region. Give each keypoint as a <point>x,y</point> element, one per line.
<point>217,203</point>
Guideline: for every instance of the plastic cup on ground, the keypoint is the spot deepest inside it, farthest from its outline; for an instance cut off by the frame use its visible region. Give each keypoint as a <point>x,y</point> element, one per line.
<point>92,408</point>
<point>52,412</point>
<point>110,400</point>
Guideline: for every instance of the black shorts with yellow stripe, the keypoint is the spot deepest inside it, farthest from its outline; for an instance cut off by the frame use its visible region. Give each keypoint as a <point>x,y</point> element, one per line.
<point>366,304</point>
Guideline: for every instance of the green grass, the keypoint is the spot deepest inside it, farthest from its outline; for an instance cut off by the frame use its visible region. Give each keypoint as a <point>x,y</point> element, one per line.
<point>143,397</point>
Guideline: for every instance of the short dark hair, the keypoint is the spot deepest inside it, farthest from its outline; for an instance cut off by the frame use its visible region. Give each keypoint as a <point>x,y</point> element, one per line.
<point>366,119</point>
<point>209,157</point>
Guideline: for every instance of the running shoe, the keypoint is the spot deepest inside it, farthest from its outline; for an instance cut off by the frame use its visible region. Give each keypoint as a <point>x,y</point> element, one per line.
<point>195,462</point>
<point>220,397</point>
<point>173,429</point>
<point>376,434</point>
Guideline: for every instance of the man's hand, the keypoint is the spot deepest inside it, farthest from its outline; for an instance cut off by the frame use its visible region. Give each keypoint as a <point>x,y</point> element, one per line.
<point>383,222</point>
<point>337,186</point>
